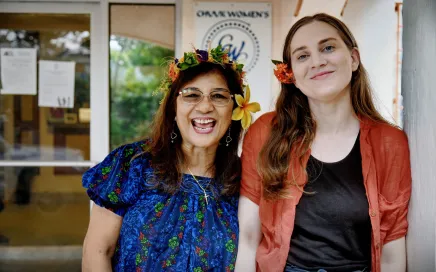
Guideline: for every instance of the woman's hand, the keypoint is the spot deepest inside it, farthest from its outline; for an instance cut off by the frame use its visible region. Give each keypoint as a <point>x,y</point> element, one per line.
<point>101,239</point>
<point>249,235</point>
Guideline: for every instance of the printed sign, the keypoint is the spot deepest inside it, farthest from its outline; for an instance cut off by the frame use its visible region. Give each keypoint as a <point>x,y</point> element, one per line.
<point>56,84</point>
<point>244,29</point>
<point>18,71</point>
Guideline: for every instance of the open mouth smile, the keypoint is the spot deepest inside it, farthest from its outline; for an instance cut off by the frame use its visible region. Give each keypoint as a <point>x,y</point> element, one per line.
<point>203,125</point>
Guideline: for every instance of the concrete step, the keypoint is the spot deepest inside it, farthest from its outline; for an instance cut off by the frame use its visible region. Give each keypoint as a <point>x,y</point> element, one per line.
<point>40,266</point>
<point>40,253</point>
<point>40,258</point>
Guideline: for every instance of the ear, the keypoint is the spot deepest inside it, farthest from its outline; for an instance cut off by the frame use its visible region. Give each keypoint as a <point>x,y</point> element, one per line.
<point>355,56</point>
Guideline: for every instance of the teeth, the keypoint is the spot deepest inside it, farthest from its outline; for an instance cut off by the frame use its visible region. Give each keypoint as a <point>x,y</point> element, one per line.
<point>203,128</point>
<point>203,121</point>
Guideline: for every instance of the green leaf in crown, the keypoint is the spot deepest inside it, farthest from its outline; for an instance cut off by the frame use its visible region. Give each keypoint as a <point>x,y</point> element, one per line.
<point>189,60</point>
<point>239,67</point>
<point>217,53</point>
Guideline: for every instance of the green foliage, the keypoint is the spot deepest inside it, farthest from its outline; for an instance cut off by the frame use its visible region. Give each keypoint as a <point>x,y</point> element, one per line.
<point>275,62</point>
<point>239,67</point>
<point>217,53</point>
<point>189,60</point>
<point>136,70</point>
<point>142,53</point>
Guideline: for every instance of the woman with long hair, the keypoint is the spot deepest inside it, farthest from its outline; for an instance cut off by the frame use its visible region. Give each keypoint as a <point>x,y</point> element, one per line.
<point>169,203</point>
<point>326,179</point>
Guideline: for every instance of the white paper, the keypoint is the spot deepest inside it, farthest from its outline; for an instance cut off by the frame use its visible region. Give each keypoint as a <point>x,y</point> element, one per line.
<point>56,84</point>
<point>18,71</point>
<point>245,29</point>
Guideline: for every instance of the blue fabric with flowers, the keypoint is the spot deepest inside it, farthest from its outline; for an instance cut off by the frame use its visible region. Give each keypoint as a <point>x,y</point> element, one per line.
<point>162,232</point>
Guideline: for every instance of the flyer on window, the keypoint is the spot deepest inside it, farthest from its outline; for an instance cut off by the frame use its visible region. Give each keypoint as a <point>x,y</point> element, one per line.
<point>18,71</point>
<point>56,84</point>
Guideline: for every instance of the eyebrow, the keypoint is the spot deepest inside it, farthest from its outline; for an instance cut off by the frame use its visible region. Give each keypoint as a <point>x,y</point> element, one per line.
<point>220,89</point>
<point>320,42</point>
<point>189,87</point>
<point>212,90</point>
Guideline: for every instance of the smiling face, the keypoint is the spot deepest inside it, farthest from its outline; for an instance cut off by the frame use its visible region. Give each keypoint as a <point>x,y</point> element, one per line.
<point>321,62</point>
<point>204,124</point>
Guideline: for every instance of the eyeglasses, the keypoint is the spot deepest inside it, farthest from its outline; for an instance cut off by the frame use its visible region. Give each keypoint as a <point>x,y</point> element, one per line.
<point>219,98</point>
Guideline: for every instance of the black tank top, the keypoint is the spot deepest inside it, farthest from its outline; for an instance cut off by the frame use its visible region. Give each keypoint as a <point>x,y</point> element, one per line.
<point>332,226</point>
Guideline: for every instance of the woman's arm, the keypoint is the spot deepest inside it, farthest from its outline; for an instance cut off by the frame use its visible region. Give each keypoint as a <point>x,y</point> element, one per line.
<point>100,241</point>
<point>395,200</point>
<point>249,235</point>
<point>394,256</point>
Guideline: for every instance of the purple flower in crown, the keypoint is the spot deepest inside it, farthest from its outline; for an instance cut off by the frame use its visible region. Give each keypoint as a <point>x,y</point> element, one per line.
<point>202,55</point>
<point>176,61</point>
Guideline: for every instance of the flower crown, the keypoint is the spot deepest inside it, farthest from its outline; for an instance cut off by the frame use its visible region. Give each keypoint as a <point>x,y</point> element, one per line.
<point>283,72</point>
<point>218,56</point>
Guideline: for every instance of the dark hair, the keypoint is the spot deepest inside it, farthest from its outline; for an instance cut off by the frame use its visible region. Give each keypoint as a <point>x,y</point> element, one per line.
<point>168,158</point>
<point>293,127</point>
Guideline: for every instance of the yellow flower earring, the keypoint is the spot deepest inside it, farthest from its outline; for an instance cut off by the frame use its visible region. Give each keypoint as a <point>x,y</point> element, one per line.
<point>245,108</point>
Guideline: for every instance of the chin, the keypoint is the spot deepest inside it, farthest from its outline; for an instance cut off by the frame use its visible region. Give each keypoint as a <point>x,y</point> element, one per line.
<point>203,142</point>
<point>327,94</point>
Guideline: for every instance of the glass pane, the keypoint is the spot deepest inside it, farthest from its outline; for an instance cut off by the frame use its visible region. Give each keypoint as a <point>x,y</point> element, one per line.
<point>27,131</point>
<point>41,208</point>
<point>136,57</point>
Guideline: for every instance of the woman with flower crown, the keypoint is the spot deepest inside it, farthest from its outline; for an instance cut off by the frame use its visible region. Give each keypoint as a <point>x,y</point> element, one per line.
<point>169,203</point>
<point>325,179</point>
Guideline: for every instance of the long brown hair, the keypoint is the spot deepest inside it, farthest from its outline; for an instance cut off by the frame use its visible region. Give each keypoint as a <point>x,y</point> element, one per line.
<point>168,158</point>
<point>293,127</point>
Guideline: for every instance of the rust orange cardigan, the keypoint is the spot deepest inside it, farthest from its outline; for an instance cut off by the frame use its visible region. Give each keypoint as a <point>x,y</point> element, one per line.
<point>387,180</point>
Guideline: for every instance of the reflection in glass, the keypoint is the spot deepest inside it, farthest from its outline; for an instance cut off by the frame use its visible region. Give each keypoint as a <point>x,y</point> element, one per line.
<point>136,73</point>
<point>136,65</point>
<point>32,133</point>
<point>40,208</point>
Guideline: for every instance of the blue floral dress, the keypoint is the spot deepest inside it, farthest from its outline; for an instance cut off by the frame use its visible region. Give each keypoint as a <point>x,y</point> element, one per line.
<point>163,232</point>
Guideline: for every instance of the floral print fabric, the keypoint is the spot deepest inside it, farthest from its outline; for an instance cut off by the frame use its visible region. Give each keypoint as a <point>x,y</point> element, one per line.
<point>162,232</point>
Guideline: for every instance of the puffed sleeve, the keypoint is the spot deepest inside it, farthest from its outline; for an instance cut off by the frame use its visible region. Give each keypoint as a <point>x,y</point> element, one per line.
<point>116,182</point>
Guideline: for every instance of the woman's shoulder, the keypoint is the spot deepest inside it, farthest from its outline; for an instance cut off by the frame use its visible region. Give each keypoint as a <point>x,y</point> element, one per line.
<point>117,180</point>
<point>262,125</point>
<point>125,160</point>
<point>131,150</point>
<point>390,148</point>
<point>388,134</point>
<point>265,119</point>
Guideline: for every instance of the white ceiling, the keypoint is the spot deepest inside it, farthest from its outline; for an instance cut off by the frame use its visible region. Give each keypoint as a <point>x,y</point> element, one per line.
<point>310,7</point>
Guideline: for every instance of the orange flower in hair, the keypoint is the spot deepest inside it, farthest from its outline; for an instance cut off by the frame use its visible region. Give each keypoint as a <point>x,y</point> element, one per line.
<point>226,58</point>
<point>283,73</point>
<point>242,77</point>
<point>173,71</point>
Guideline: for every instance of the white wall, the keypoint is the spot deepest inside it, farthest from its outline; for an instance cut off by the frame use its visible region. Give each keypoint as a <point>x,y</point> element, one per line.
<point>374,25</point>
<point>332,7</point>
<point>418,83</point>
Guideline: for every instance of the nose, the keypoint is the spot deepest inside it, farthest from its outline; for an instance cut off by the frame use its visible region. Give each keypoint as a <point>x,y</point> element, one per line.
<point>318,60</point>
<point>205,105</point>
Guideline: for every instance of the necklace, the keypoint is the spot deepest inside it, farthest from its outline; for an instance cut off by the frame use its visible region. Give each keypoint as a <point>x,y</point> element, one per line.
<point>204,191</point>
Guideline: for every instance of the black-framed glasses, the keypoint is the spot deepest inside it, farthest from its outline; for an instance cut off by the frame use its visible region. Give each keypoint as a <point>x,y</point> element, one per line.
<point>218,97</point>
